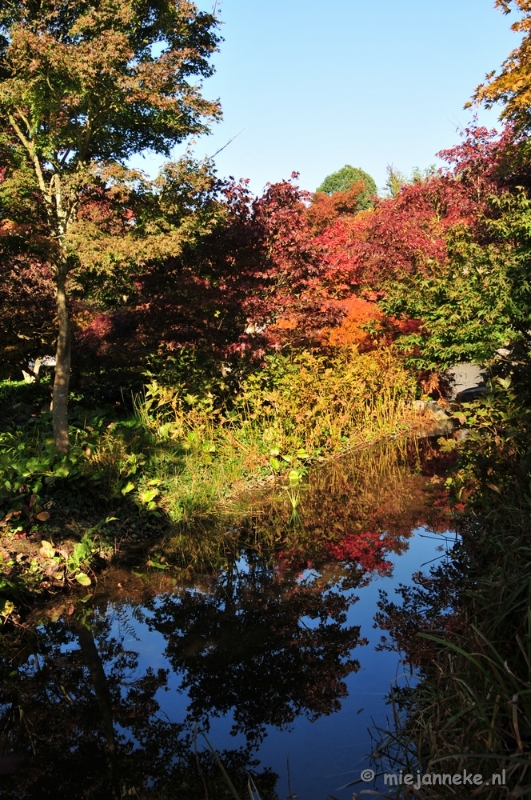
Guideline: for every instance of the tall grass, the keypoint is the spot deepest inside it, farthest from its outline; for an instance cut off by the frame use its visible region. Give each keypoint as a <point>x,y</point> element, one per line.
<point>294,410</point>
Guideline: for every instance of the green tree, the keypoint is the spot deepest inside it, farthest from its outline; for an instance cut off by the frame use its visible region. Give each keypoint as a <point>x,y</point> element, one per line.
<point>84,86</point>
<point>344,178</point>
<point>395,181</point>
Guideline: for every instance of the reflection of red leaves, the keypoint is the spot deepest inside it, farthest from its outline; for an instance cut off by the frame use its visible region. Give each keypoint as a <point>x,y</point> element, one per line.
<point>368,548</point>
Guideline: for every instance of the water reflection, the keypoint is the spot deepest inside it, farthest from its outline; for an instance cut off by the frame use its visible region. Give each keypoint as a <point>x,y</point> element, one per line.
<point>263,642</point>
<point>88,722</point>
<point>268,647</point>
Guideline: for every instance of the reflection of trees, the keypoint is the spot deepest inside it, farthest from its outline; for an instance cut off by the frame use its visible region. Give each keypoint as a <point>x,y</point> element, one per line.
<point>89,726</point>
<point>263,646</point>
<point>267,648</point>
<point>362,507</point>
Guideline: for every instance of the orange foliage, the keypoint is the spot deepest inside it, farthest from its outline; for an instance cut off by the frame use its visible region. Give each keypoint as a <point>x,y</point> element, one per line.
<point>325,209</point>
<point>359,314</point>
<point>285,324</point>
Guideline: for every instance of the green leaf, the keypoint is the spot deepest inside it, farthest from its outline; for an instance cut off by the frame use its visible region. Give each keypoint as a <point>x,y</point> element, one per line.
<point>7,608</point>
<point>83,579</point>
<point>61,471</point>
<point>128,488</point>
<point>294,477</point>
<point>505,382</point>
<point>146,497</point>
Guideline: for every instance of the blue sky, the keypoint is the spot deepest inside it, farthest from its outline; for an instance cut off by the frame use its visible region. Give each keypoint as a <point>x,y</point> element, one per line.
<point>314,85</point>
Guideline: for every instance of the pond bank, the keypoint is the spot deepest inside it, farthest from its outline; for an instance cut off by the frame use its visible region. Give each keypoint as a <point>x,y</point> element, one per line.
<point>126,484</point>
<point>68,550</point>
<point>466,627</point>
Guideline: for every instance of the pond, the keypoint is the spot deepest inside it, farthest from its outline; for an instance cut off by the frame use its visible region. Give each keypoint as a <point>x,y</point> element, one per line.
<point>267,665</point>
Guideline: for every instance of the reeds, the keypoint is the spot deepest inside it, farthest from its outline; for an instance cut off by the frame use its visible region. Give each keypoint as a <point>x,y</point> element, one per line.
<point>294,410</point>
<point>472,707</point>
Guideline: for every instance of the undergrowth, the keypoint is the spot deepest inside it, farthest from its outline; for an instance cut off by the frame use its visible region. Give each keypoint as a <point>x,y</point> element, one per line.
<point>181,455</point>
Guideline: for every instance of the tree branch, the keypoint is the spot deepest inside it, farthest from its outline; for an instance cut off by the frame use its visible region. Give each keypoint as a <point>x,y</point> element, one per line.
<point>30,147</point>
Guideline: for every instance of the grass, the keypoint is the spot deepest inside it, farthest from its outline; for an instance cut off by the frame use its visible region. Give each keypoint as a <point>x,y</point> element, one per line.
<point>294,412</point>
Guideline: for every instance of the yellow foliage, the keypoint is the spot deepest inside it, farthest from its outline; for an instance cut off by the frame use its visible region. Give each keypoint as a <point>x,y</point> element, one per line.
<point>512,85</point>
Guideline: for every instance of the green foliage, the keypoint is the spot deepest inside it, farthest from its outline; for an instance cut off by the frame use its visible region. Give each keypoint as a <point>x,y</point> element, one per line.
<point>28,464</point>
<point>396,179</point>
<point>343,179</point>
<point>476,302</point>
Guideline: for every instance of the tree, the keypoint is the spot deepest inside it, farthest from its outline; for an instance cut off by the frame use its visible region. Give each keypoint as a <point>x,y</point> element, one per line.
<point>512,86</point>
<point>83,86</point>
<point>396,179</point>
<point>343,179</point>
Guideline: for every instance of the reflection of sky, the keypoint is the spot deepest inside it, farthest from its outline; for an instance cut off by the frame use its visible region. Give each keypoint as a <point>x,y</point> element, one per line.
<point>330,752</point>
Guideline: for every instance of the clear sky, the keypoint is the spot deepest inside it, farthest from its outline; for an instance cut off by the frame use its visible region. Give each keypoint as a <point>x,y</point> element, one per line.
<point>316,84</point>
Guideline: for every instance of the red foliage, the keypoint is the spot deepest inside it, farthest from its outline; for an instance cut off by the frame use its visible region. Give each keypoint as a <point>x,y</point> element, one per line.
<point>368,548</point>
<point>28,310</point>
<point>408,233</point>
<point>326,209</point>
<point>405,234</point>
<point>280,270</point>
<point>485,160</point>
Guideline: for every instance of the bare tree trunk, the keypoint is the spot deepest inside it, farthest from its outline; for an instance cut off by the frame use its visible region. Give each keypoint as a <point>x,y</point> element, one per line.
<point>62,365</point>
<point>100,684</point>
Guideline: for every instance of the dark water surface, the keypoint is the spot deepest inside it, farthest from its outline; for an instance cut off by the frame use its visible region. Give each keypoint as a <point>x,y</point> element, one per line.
<point>271,657</point>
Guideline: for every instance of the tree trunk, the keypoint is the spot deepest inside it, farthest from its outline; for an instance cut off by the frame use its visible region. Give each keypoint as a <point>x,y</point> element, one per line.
<point>62,366</point>
<point>92,659</point>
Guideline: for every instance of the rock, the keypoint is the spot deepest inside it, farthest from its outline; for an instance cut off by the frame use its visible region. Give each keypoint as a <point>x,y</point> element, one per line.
<point>464,377</point>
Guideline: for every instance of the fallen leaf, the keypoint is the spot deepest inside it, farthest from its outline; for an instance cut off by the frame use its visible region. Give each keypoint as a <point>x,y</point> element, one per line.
<point>47,549</point>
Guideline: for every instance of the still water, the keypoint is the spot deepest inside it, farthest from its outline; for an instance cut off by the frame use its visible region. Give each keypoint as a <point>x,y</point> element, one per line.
<point>271,659</point>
